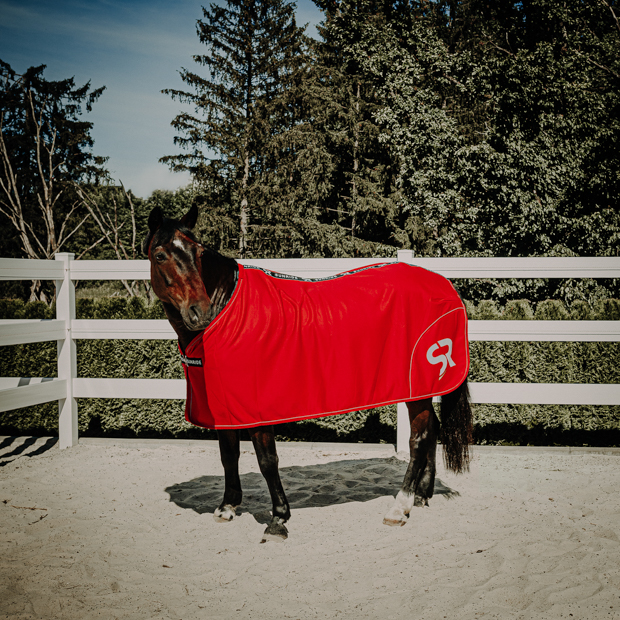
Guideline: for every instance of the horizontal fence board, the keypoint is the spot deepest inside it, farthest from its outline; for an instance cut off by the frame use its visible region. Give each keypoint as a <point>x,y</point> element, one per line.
<point>23,331</point>
<point>110,270</point>
<point>314,267</point>
<point>566,331</point>
<point>545,393</point>
<point>501,267</point>
<point>498,393</point>
<point>522,267</point>
<point>31,269</point>
<point>16,393</point>
<point>532,331</point>
<point>13,382</point>
<point>129,388</point>
<point>132,329</point>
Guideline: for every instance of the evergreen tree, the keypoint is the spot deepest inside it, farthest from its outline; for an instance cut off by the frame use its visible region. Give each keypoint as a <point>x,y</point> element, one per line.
<point>363,196</point>
<point>254,49</point>
<point>309,177</point>
<point>504,116</point>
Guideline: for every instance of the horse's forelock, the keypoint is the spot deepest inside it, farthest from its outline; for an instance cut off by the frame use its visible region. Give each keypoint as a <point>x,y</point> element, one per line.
<point>166,232</point>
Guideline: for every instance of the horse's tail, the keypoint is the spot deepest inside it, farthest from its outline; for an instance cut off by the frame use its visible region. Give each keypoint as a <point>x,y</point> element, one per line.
<point>456,428</point>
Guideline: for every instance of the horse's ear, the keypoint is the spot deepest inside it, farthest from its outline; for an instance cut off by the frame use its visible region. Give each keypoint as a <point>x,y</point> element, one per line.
<point>191,217</point>
<point>155,220</point>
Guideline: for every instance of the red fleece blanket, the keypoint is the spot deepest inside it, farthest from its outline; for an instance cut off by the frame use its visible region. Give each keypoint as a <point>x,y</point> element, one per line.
<point>287,349</point>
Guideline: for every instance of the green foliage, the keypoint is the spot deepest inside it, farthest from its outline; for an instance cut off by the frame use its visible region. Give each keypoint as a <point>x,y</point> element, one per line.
<point>453,128</point>
<point>509,362</point>
<point>254,51</point>
<point>283,144</point>
<point>545,362</point>
<point>518,310</point>
<point>45,149</point>
<point>503,118</point>
<point>546,425</point>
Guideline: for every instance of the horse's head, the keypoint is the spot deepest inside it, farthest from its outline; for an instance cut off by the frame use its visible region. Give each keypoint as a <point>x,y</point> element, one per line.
<point>176,266</point>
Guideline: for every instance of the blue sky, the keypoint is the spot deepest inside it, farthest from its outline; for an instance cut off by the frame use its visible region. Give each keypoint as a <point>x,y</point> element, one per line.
<point>133,47</point>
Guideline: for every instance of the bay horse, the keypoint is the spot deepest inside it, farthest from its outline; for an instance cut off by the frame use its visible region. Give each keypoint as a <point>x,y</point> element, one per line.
<point>195,284</point>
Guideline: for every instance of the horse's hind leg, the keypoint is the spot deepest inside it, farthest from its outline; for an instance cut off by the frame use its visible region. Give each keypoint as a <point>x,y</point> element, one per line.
<point>419,479</point>
<point>265,446</point>
<point>229,453</point>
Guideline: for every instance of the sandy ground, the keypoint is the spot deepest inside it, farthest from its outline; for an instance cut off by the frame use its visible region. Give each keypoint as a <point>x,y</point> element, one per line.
<point>109,531</point>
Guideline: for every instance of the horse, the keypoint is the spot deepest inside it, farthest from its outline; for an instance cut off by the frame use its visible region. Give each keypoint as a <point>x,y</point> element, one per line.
<point>195,285</point>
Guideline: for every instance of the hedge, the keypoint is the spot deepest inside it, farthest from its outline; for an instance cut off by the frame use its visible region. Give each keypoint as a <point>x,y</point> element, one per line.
<point>511,362</point>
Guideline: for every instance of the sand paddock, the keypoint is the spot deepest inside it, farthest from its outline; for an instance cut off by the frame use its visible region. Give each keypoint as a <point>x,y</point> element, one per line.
<point>123,530</point>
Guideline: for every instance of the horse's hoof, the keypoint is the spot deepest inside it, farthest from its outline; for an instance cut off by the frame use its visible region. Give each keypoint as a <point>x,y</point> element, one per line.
<point>398,514</point>
<point>224,514</point>
<point>420,502</point>
<point>276,531</point>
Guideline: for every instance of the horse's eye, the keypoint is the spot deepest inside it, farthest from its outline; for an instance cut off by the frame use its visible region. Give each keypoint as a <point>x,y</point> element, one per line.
<point>160,257</point>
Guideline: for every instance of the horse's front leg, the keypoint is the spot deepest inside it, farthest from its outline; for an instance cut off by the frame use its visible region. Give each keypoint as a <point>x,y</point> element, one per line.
<point>419,479</point>
<point>265,446</point>
<point>229,453</point>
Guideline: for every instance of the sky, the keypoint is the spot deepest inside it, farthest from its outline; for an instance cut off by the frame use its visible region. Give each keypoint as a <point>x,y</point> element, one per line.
<point>133,47</point>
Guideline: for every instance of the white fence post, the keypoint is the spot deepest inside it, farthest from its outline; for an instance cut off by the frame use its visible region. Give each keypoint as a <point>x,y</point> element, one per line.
<point>67,360</point>
<point>403,427</point>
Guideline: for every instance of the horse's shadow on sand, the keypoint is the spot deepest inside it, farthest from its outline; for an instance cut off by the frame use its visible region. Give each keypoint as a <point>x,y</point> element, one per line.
<point>306,486</point>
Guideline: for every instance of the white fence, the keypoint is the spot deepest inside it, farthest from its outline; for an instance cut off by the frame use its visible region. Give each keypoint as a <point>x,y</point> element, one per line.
<point>65,329</point>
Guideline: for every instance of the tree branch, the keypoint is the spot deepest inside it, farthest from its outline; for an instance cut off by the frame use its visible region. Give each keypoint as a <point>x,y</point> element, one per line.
<point>596,64</point>
<point>501,49</point>
<point>605,3</point>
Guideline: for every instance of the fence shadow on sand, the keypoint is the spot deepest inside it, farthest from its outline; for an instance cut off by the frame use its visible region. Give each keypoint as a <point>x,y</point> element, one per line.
<point>306,486</point>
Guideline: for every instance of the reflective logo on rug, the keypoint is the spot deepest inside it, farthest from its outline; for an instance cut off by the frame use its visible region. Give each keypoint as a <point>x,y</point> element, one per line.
<point>444,358</point>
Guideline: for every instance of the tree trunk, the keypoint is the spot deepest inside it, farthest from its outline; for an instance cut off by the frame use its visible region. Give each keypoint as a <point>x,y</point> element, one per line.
<point>356,162</point>
<point>244,215</point>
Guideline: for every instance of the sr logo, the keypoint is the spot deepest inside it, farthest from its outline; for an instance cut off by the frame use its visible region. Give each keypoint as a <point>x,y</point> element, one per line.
<point>445,359</point>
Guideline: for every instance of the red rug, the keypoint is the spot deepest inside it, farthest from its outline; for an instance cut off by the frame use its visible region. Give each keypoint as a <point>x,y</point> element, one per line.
<point>286,349</point>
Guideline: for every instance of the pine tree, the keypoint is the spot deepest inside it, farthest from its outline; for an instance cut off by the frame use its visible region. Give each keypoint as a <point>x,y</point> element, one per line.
<point>364,198</point>
<point>254,49</point>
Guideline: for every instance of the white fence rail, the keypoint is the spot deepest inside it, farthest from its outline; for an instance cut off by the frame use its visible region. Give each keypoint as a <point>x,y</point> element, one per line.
<point>65,329</point>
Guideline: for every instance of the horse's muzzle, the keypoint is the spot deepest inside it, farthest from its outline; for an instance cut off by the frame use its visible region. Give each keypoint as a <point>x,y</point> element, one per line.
<point>195,318</point>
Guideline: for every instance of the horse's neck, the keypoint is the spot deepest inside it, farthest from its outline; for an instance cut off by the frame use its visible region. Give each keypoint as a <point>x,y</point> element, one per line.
<point>219,275</point>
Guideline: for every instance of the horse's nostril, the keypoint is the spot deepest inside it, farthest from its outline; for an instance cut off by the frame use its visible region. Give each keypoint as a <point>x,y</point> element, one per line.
<point>194,315</point>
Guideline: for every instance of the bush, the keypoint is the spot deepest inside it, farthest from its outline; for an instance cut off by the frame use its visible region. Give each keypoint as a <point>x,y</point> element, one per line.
<point>546,362</point>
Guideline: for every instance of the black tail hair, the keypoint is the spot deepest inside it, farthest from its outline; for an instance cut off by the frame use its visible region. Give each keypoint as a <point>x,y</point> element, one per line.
<point>456,428</point>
